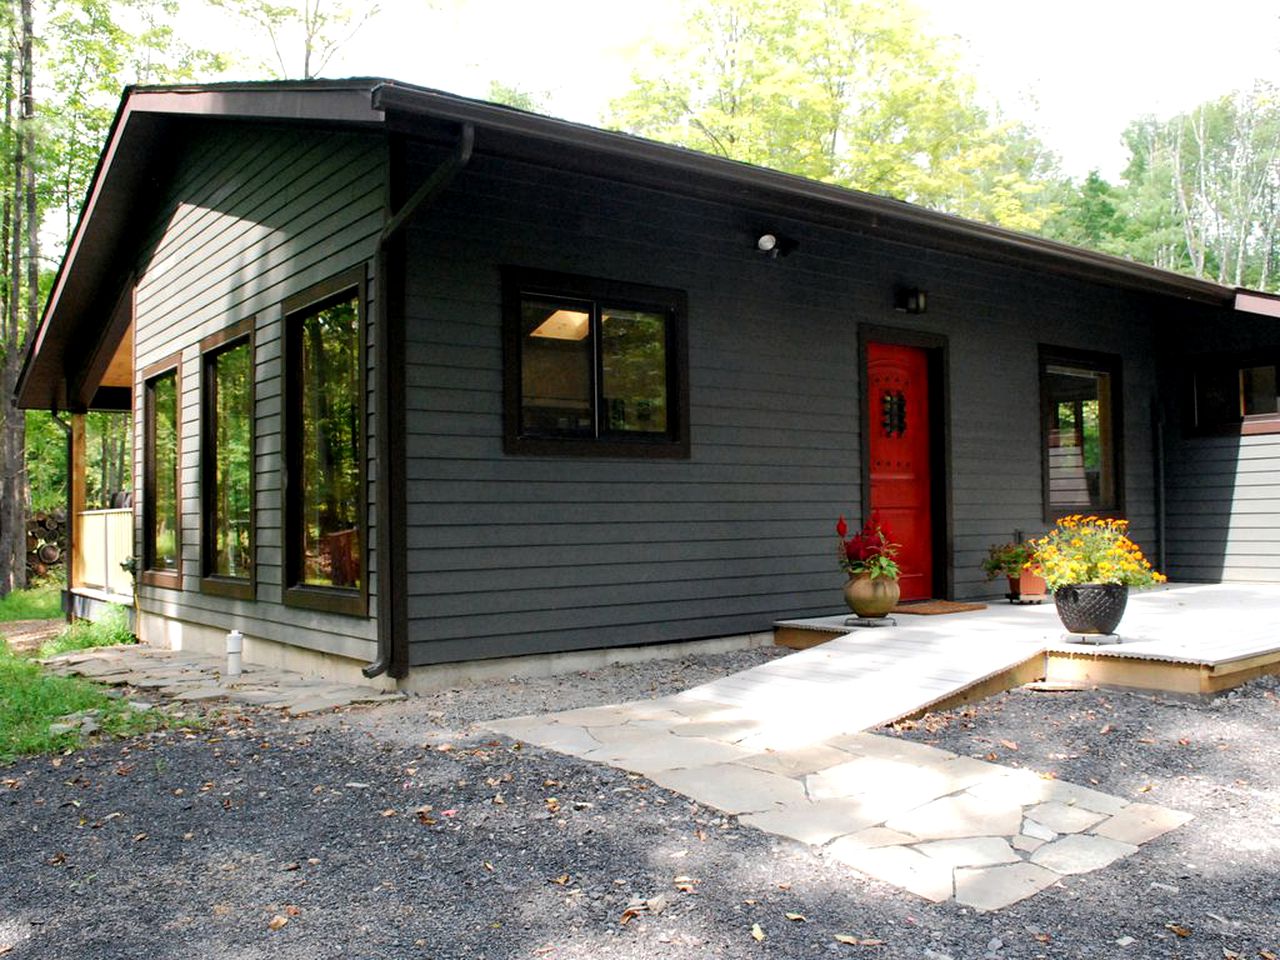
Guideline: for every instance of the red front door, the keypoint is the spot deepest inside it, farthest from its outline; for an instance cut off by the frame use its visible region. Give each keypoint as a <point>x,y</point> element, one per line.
<point>898,447</point>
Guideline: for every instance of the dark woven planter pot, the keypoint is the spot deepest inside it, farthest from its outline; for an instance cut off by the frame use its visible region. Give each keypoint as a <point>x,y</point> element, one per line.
<point>1091,607</point>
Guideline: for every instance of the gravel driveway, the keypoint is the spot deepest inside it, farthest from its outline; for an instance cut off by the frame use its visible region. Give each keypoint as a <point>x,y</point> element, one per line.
<point>407,831</point>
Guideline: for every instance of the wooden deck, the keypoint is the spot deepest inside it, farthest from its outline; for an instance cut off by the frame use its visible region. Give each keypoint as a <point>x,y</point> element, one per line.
<point>1180,638</point>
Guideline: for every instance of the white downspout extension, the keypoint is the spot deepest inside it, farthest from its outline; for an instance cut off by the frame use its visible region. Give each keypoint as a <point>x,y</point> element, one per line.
<point>235,650</point>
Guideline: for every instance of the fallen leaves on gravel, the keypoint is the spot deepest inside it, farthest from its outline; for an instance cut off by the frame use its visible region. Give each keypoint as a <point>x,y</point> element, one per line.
<point>684,884</point>
<point>277,922</point>
<point>796,917</point>
<point>1178,929</point>
<point>756,933</point>
<point>858,941</point>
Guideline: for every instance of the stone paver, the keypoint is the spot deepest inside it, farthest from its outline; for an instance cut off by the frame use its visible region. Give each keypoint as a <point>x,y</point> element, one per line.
<point>188,676</point>
<point>649,753</point>
<point>1026,844</point>
<point>733,788</point>
<point>970,851</point>
<point>1038,831</point>
<point>1081,853</point>
<point>902,867</point>
<point>816,823</point>
<point>939,825</point>
<point>1061,818</point>
<point>993,888</point>
<point>875,837</point>
<point>1141,822</point>
<point>797,763</point>
<point>960,816</point>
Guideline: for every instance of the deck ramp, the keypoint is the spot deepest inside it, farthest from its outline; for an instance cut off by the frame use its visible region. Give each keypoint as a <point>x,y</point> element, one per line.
<point>870,677</point>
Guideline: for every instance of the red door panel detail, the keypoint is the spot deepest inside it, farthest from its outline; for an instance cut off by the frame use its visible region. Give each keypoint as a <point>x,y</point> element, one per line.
<point>898,444</point>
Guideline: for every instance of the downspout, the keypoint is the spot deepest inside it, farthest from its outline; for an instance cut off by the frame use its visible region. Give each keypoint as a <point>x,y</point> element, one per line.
<point>1157,432</point>
<point>68,560</point>
<point>389,403</point>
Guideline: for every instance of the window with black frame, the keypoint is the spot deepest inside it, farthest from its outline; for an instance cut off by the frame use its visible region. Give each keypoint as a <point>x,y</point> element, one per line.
<point>226,462</point>
<point>1080,417</point>
<point>325,512</point>
<point>594,367</point>
<point>161,507</point>
<point>1236,394</point>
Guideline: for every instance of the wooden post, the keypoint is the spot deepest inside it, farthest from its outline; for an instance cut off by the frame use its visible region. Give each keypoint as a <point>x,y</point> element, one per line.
<point>75,572</point>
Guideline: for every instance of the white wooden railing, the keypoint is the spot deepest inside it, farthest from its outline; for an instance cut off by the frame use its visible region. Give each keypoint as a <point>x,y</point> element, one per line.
<point>103,540</point>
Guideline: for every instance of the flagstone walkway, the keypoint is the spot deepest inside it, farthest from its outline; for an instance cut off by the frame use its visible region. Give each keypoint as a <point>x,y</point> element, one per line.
<point>186,675</point>
<point>937,824</point>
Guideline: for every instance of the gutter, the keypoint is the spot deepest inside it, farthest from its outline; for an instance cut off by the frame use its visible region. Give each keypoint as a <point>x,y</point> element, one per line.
<point>389,413</point>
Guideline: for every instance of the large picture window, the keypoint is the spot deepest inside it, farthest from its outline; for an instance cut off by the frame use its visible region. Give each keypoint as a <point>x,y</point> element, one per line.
<point>1080,416</point>
<point>226,461</point>
<point>161,507</point>
<point>1237,394</point>
<point>325,442</point>
<point>594,367</point>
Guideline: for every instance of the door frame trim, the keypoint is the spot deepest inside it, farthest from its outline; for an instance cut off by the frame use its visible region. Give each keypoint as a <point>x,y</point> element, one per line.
<point>938,353</point>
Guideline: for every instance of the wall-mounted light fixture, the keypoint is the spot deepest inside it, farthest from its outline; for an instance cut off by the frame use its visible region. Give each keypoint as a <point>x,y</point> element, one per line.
<point>909,300</point>
<point>773,245</point>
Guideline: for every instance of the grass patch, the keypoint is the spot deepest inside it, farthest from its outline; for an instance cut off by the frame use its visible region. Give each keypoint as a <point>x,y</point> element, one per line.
<point>39,603</point>
<point>30,700</point>
<point>111,629</point>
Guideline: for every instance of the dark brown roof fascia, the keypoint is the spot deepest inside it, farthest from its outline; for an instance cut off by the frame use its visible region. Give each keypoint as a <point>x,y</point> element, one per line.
<point>680,170</point>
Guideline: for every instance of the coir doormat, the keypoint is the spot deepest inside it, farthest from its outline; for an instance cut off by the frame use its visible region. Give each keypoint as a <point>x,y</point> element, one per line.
<point>935,608</point>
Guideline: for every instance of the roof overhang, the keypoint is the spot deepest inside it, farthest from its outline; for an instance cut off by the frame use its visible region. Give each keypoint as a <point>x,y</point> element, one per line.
<point>676,170</point>
<point>126,189</point>
<point>127,186</point>
<point>1253,301</point>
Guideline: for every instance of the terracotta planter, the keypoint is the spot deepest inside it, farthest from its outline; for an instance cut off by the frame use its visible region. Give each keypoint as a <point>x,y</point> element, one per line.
<point>1027,587</point>
<point>871,598</point>
<point>1091,608</point>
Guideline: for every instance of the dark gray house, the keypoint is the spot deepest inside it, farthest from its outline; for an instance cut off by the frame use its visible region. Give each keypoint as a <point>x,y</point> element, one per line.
<point>418,379</point>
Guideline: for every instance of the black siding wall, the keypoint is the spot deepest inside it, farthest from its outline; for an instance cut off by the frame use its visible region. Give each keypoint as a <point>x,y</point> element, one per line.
<point>253,215</point>
<point>528,554</point>
<point>1223,491</point>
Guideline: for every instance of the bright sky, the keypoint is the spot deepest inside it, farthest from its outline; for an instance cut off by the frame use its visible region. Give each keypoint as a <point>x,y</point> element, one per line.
<point>1079,72</point>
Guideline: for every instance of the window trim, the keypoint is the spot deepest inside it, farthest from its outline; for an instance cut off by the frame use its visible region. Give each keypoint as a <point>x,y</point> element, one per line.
<point>340,600</point>
<point>1109,363</point>
<point>211,347</point>
<point>518,282</point>
<point>1257,424</point>
<point>169,579</point>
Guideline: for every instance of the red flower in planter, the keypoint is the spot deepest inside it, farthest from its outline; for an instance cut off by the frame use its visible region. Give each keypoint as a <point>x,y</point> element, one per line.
<point>871,550</point>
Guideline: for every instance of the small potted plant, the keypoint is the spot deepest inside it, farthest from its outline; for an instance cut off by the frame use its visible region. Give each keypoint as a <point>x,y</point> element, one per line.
<point>1017,562</point>
<point>869,559</point>
<point>1090,563</point>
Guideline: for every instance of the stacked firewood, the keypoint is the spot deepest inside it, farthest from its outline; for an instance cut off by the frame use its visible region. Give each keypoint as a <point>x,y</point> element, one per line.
<point>46,541</point>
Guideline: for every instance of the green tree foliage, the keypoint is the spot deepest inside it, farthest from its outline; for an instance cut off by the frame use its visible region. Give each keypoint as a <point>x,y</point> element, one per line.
<point>1200,194</point>
<point>1090,215</point>
<point>518,97</point>
<point>94,48</point>
<point>855,93</point>
<point>313,29</point>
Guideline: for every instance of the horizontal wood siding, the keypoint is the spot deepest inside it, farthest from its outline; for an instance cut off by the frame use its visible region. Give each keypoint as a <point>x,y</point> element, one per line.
<point>253,216</point>
<point>517,554</point>
<point>1223,491</point>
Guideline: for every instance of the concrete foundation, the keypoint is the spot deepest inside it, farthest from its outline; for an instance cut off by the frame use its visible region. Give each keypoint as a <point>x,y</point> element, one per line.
<point>169,634</point>
<point>445,675</point>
